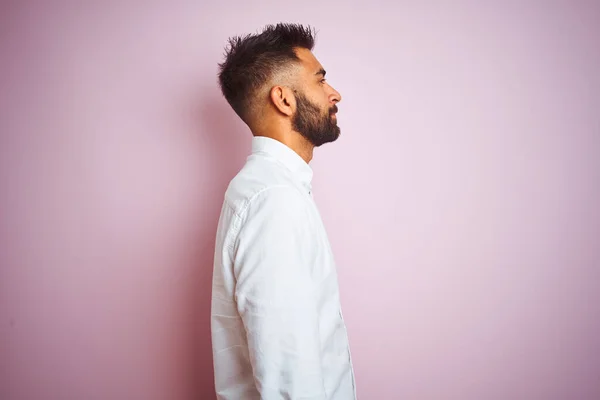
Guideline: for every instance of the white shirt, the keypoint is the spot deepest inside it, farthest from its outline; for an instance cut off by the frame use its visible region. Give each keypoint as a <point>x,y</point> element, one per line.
<point>276,321</point>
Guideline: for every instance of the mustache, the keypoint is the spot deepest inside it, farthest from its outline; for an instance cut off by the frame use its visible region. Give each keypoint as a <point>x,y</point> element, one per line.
<point>333,110</point>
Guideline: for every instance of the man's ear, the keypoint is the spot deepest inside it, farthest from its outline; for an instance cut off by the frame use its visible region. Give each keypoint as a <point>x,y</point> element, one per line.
<point>283,99</point>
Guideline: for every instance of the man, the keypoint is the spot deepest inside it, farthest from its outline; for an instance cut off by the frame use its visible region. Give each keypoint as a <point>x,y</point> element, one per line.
<point>276,321</point>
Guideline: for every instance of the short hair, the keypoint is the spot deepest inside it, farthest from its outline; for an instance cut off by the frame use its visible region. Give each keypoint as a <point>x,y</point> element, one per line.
<point>251,60</point>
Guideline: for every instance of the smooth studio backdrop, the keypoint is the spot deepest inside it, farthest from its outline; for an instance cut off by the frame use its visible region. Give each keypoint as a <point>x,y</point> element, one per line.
<point>462,200</point>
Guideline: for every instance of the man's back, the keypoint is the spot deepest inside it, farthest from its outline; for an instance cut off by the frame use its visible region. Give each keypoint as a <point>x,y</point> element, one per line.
<point>276,320</point>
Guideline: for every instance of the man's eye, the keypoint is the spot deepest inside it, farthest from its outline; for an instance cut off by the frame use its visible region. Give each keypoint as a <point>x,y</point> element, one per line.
<point>323,80</point>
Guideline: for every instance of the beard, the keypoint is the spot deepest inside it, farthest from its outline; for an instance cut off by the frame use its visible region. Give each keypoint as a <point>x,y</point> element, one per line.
<point>310,122</point>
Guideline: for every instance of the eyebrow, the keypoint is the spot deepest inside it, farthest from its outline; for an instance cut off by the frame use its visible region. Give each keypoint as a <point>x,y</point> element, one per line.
<point>321,72</point>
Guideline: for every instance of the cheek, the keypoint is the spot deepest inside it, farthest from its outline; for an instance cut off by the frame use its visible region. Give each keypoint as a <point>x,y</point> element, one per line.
<point>320,94</point>
<point>320,99</point>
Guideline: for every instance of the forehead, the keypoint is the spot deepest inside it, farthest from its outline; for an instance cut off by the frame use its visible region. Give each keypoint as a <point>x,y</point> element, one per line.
<point>308,61</point>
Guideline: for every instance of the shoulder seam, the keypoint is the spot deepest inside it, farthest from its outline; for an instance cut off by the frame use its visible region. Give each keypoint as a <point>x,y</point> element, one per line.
<point>255,195</point>
<point>239,216</point>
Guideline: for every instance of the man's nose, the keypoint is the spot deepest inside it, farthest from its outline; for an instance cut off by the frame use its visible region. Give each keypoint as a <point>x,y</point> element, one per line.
<point>335,97</point>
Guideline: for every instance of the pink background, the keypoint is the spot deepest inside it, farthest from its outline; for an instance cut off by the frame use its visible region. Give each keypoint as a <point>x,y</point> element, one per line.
<point>462,200</point>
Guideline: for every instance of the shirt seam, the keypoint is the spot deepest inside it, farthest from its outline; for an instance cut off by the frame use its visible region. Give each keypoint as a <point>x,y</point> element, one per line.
<point>239,216</point>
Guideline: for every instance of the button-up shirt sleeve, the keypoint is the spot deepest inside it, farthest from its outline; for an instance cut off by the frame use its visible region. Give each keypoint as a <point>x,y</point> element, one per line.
<point>277,297</point>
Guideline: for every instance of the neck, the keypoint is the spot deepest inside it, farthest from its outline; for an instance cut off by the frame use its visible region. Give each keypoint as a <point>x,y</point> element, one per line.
<point>291,139</point>
<point>302,147</point>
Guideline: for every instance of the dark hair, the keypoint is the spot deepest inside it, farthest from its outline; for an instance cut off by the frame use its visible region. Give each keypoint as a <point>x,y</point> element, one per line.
<point>251,60</point>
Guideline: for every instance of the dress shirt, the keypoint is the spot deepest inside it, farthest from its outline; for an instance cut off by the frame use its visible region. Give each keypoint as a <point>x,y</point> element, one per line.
<point>276,321</point>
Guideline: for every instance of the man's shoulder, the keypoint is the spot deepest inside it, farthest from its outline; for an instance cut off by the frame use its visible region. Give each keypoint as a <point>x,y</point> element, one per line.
<point>258,179</point>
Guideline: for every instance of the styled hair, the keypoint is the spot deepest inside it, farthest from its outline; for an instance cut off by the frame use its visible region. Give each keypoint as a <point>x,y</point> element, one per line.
<point>251,60</point>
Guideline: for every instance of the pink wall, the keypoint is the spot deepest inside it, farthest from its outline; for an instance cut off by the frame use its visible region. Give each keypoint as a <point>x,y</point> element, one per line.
<point>461,201</point>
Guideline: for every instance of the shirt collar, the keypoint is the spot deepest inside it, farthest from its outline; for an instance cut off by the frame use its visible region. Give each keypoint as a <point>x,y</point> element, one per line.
<point>285,155</point>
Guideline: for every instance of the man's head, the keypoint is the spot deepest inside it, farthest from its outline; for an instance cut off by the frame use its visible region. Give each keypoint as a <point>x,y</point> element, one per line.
<point>272,80</point>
